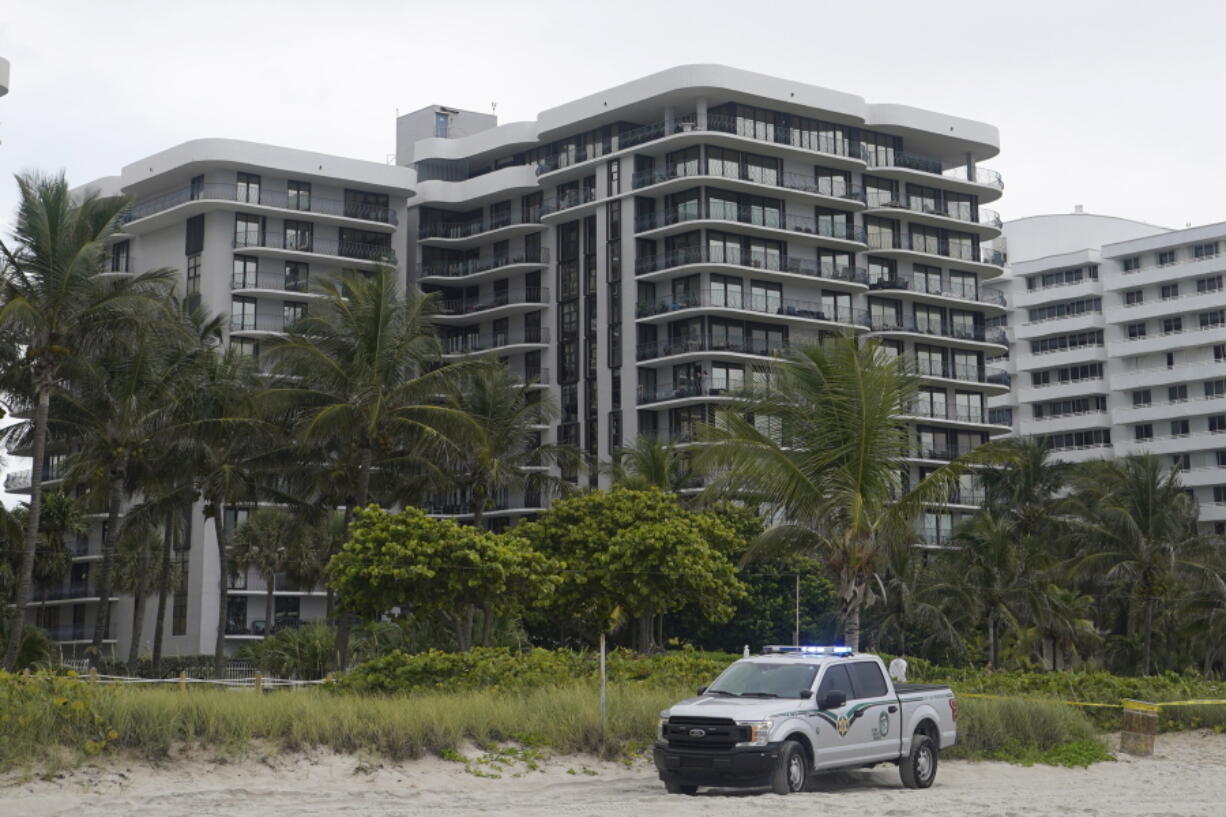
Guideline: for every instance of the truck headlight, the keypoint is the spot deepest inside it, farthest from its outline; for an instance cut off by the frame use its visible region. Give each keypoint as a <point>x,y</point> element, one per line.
<point>759,732</point>
<point>663,723</point>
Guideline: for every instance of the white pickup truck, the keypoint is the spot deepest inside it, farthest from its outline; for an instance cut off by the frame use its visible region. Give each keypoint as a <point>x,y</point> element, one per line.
<point>777,718</point>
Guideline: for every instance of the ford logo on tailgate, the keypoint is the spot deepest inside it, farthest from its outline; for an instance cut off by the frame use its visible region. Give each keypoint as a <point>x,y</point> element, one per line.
<point>698,733</point>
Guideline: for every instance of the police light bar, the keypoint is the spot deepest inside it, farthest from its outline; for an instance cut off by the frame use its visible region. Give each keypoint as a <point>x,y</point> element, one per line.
<point>788,649</point>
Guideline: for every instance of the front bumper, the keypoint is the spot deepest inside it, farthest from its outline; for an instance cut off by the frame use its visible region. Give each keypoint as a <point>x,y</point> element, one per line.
<point>747,766</point>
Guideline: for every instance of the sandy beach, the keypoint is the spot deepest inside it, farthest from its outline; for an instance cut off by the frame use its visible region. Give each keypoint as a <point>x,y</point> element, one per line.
<point>1185,777</point>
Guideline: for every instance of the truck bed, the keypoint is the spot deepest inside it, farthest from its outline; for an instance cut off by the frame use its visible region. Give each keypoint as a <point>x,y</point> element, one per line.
<point>908,689</point>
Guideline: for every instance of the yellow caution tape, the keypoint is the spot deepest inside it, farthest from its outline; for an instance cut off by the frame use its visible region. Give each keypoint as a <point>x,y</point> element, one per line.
<point>1135,706</point>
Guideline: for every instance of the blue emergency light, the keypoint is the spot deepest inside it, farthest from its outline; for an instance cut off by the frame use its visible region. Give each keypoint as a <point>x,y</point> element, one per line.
<point>788,649</point>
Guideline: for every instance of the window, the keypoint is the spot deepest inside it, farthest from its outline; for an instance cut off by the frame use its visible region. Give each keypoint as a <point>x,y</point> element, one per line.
<point>1065,309</point>
<point>441,121</point>
<point>1208,320</point>
<point>248,188</point>
<point>369,206</point>
<point>1179,428</point>
<point>1171,326</point>
<point>867,680</point>
<point>196,188</point>
<point>1061,343</point>
<point>1215,389</point>
<point>1181,461</point>
<point>1211,284</point>
<point>1141,398</point>
<point>248,230</point>
<point>1177,394</point>
<point>193,275</point>
<point>1143,431</point>
<point>880,269</point>
<point>242,313</point>
<point>614,181</point>
<point>1170,291</point>
<point>1166,258</point>
<point>1219,352</point>
<point>1133,297</point>
<point>194,236</point>
<point>298,196</point>
<point>1217,423</point>
<point>1219,494</point>
<point>296,276</point>
<point>836,679</point>
<point>119,257</point>
<point>1207,250</point>
<point>1136,330</point>
<point>245,347</point>
<point>1220,458</point>
<point>1132,264</point>
<point>246,272</point>
<point>292,312</point>
<point>299,235</point>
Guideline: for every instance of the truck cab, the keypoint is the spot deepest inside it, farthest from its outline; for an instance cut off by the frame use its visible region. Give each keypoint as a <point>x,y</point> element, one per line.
<point>777,718</point>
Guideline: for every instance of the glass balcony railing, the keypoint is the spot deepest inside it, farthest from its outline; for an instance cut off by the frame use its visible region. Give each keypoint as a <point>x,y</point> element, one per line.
<point>757,217</point>
<point>566,201</point>
<point>468,229</point>
<point>268,198</point>
<point>458,269</point>
<point>750,346</point>
<point>816,185</point>
<point>764,304</point>
<point>961,251</point>
<point>926,286</point>
<point>751,259</point>
<point>963,372</point>
<point>380,253</point>
<point>476,343</point>
<point>909,323</point>
<point>680,391</point>
<point>958,211</point>
<point>936,411</point>
<point>469,306</point>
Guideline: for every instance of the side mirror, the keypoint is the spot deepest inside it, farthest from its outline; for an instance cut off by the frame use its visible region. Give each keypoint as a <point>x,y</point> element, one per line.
<point>834,699</point>
<point>806,694</point>
<point>701,690</point>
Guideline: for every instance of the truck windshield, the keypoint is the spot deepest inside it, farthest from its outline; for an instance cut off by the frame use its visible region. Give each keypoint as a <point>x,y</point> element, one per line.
<point>750,679</point>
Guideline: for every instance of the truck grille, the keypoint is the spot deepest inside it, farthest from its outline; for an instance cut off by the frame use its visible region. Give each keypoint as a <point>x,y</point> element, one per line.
<point>704,733</point>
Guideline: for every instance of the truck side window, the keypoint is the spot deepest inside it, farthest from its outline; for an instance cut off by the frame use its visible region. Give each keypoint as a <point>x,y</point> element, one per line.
<point>835,679</point>
<point>868,680</point>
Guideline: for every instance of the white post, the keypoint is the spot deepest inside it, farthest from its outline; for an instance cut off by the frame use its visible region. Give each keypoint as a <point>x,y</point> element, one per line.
<point>603,690</point>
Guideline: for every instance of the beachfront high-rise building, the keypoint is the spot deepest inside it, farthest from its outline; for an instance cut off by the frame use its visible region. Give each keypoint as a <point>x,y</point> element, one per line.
<point>636,255</point>
<point>644,251</point>
<point>1119,344</point>
<point>248,227</point>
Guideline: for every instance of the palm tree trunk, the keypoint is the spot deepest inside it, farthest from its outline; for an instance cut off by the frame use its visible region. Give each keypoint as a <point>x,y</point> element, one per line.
<point>851,623</point>
<point>270,589</point>
<point>159,627</point>
<point>138,610</point>
<point>223,586</point>
<point>26,580</point>
<point>344,622</point>
<point>102,618</point>
<point>1149,632</point>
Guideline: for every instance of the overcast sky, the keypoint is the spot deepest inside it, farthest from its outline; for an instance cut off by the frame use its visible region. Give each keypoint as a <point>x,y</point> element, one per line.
<point>1117,106</point>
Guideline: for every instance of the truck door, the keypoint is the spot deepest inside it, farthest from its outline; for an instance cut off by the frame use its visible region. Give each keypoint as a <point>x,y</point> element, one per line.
<point>874,731</point>
<point>833,748</point>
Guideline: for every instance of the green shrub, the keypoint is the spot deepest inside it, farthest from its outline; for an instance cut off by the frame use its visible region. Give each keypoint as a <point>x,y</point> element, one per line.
<point>37,649</point>
<point>307,652</point>
<point>42,716</point>
<point>502,668</point>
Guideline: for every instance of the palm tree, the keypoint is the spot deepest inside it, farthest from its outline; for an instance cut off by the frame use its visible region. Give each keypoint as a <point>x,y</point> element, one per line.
<point>62,517</point>
<point>134,554</point>
<point>269,542</point>
<point>1027,486</point>
<point>823,449</point>
<point>649,463</point>
<point>1139,526</point>
<point>498,449</point>
<point>55,304</point>
<point>911,603</point>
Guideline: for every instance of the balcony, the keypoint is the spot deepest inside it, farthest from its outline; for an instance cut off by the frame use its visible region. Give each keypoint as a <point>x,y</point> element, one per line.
<point>767,305</point>
<point>460,230</point>
<point>757,261</point>
<point>940,214</point>
<point>24,480</point>
<point>957,251</point>
<point>462,269</point>
<point>963,373</point>
<point>742,346</point>
<point>268,324</point>
<point>458,503</point>
<point>767,221</point>
<point>944,329</point>
<point>568,201</point>
<point>920,285</point>
<point>374,253</point>
<point>937,452</point>
<point>905,160</point>
<point>537,378</point>
<point>267,198</point>
<point>680,391</point>
<point>952,413</point>
<point>475,344</point>
<point>460,307</point>
<point>823,186</point>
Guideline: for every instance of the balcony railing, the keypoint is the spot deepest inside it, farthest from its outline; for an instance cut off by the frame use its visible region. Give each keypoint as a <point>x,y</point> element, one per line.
<point>70,633</point>
<point>259,323</point>
<point>768,305</point>
<point>921,284</point>
<point>751,259</point>
<point>468,229</point>
<point>961,414</point>
<point>949,249</point>
<point>817,185</point>
<point>927,164</point>
<point>268,198</point>
<point>472,344</point>
<point>469,306</point>
<point>956,210</point>
<point>679,391</point>
<point>967,373</point>
<point>457,269</point>
<point>530,377</point>
<point>566,201</point>
<point>313,244</point>
<point>73,591</point>
<point>19,480</point>
<point>909,323</point>
<point>756,217</point>
<point>680,346</point>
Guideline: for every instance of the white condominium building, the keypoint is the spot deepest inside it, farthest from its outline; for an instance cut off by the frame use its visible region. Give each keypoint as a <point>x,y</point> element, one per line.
<point>1119,344</point>
<point>644,251</point>
<point>247,226</point>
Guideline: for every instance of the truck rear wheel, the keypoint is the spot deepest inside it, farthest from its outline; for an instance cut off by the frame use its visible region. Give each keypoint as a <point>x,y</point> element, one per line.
<point>793,769</point>
<point>673,787</point>
<point>919,769</point>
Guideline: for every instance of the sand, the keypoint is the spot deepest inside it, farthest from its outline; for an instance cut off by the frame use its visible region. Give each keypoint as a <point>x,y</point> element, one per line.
<point>1185,777</point>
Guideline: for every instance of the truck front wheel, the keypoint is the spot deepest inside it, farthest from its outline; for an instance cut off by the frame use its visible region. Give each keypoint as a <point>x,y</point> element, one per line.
<point>919,769</point>
<point>793,769</point>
